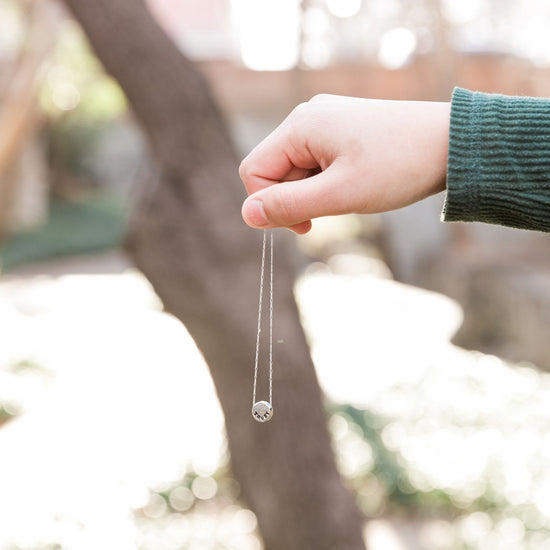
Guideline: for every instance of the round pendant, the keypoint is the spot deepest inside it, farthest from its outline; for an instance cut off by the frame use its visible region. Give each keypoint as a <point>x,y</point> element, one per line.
<point>262,411</point>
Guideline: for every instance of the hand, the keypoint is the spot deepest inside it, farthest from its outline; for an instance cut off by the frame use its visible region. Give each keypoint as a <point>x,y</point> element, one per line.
<point>339,155</point>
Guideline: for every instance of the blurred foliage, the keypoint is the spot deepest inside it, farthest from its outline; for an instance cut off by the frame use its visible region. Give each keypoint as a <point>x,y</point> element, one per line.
<point>458,452</point>
<point>79,101</point>
<point>384,483</point>
<point>387,488</point>
<point>27,366</point>
<point>469,474</point>
<point>76,87</point>
<point>96,223</point>
<point>5,415</point>
<point>17,380</point>
<point>70,142</point>
<point>198,511</point>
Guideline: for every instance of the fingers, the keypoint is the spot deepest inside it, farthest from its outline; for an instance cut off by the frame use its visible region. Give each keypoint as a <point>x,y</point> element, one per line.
<point>254,214</point>
<point>293,204</point>
<point>283,173</point>
<point>301,228</point>
<point>281,156</point>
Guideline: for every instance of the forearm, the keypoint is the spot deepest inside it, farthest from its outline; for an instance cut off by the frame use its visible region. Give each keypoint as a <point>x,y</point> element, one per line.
<point>498,167</point>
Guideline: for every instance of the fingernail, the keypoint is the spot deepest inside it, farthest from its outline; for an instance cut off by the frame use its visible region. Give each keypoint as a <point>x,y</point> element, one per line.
<point>255,213</point>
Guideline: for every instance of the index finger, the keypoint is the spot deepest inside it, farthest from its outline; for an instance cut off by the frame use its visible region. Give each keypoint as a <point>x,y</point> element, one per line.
<point>282,156</point>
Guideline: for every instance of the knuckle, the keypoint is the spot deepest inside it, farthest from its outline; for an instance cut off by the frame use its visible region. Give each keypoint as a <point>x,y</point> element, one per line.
<point>243,169</point>
<point>318,98</point>
<point>300,109</point>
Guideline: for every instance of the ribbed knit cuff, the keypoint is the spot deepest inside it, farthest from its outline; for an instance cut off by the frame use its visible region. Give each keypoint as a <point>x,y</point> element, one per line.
<point>498,168</point>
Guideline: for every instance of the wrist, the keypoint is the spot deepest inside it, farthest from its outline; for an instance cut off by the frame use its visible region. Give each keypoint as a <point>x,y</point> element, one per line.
<point>440,146</point>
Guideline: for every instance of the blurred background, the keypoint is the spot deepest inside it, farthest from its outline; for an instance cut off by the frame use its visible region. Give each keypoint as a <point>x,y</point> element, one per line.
<point>440,406</point>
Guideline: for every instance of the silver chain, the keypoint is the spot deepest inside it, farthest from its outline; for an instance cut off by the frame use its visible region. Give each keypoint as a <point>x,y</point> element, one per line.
<point>266,231</point>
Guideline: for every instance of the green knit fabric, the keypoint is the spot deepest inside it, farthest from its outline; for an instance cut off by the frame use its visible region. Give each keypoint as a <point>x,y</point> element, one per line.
<point>498,169</point>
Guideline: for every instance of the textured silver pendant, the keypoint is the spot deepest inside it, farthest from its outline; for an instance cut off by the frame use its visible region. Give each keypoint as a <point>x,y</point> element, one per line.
<point>262,411</point>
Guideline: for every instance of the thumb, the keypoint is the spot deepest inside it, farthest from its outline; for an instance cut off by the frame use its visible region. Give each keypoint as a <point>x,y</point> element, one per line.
<point>291,203</point>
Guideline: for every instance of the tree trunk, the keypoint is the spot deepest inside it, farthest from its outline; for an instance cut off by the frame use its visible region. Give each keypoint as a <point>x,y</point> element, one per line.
<point>189,240</point>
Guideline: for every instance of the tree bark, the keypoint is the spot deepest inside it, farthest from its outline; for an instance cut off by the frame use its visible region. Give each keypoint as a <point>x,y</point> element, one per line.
<point>189,240</point>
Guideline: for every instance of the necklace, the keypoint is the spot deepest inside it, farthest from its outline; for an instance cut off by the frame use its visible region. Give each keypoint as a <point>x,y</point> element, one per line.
<point>262,411</point>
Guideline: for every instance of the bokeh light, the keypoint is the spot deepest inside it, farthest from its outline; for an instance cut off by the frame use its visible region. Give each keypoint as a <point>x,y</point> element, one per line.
<point>269,33</point>
<point>344,8</point>
<point>396,47</point>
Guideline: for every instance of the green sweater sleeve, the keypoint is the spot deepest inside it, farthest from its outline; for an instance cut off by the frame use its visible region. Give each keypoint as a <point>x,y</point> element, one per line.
<point>498,169</point>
